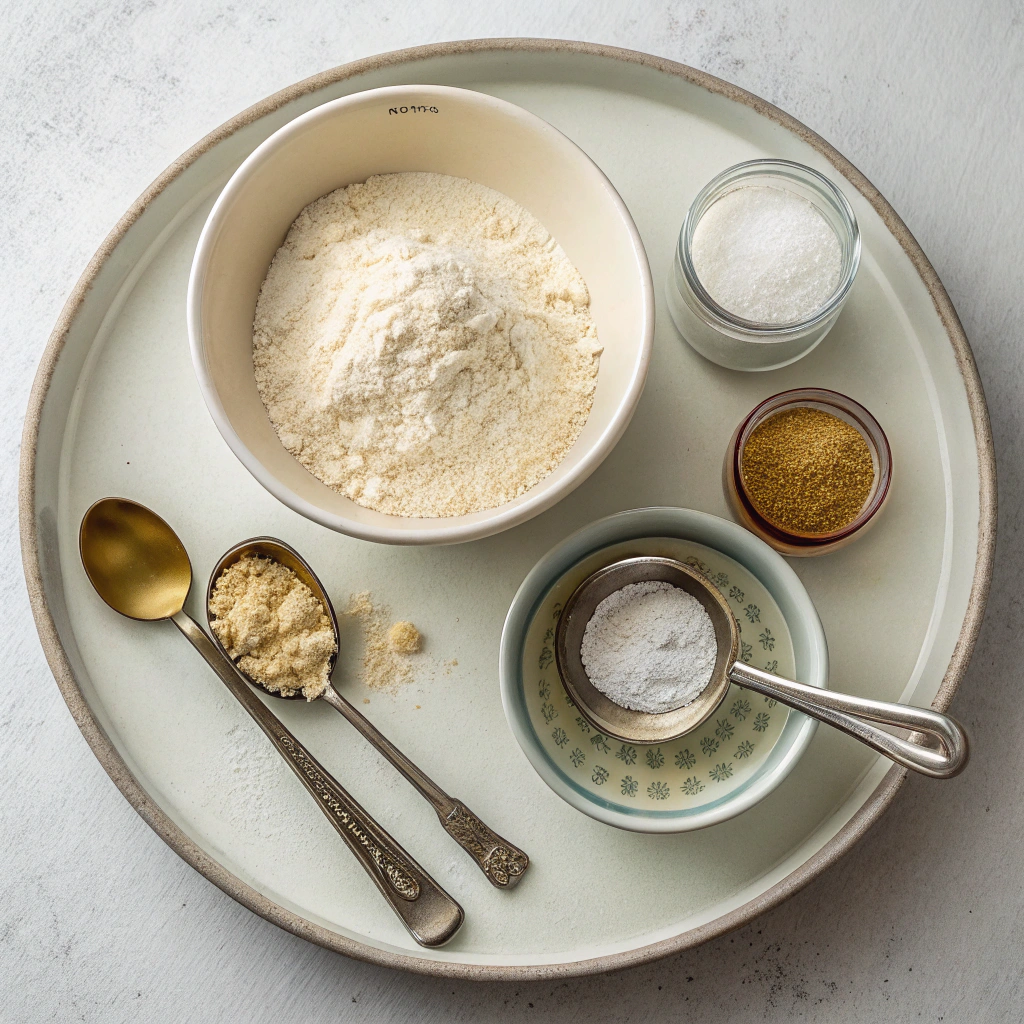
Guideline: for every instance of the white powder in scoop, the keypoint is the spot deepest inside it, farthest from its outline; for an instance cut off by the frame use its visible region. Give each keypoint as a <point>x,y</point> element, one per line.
<point>424,346</point>
<point>766,254</point>
<point>650,647</point>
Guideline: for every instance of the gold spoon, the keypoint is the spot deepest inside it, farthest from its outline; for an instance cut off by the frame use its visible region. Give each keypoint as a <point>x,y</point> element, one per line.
<point>500,861</point>
<point>853,715</point>
<point>141,569</point>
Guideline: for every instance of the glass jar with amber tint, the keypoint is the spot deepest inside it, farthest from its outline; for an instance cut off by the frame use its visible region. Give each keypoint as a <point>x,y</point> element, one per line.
<point>808,471</point>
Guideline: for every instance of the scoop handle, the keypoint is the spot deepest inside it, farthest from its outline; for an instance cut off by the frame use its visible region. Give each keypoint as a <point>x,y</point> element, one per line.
<point>430,914</point>
<point>854,714</point>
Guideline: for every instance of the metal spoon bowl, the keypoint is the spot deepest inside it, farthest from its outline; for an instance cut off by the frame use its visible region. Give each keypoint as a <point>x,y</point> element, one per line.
<point>937,745</point>
<point>501,861</point>
<point>134,560</point>
<point>604,714</point>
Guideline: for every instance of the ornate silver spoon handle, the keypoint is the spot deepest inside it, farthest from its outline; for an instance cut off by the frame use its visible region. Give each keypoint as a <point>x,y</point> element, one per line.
<point>854,714</point>
<point>500,861</point>
<point>430,914</point>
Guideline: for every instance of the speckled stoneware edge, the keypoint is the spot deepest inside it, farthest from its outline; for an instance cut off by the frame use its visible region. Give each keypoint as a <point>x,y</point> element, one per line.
<point>33,553</point>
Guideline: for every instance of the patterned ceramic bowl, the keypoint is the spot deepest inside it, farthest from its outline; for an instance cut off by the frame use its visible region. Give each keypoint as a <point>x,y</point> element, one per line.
<point>728,764</point>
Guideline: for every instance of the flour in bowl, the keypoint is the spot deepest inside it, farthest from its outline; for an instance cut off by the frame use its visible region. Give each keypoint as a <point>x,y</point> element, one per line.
<point>424,346</point>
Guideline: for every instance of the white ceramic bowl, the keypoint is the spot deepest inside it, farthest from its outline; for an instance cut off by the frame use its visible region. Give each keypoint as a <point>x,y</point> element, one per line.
<point>724,766</point>
<point>414,128</point>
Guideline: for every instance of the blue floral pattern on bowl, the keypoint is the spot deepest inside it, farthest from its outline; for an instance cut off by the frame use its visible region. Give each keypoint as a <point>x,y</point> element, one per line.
<point>702,767</point>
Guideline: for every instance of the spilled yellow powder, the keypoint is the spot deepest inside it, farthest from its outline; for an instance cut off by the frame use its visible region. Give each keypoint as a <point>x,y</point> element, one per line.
<point>274,626</point>
<point>404,638</point>
<point>386,650</point>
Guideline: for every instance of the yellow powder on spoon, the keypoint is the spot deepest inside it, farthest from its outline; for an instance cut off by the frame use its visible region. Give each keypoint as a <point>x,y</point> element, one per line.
<point>274,626</point>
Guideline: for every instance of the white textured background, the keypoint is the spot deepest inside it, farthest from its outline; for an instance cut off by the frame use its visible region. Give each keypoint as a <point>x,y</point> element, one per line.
<point>99,921</point>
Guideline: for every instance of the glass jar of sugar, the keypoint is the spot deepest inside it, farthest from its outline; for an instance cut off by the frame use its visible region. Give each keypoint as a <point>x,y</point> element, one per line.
<point>766,259</point>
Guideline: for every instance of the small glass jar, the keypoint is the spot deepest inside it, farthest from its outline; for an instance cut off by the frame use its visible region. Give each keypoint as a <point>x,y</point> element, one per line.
<point>849,411</point>
<point>727,339</point>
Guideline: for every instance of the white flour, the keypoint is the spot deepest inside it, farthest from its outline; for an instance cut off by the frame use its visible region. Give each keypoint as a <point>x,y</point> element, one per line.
<point>650,647</point>
<point>424,346</point>
<point>767,255</point>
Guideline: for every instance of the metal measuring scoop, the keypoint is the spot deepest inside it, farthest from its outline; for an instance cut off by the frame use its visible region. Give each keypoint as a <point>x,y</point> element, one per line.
<point>851,714</point>
<point>141,569</point>
<point>500,861</point>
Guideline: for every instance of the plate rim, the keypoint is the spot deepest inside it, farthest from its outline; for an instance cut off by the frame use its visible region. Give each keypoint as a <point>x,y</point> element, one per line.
<point>189,851</point>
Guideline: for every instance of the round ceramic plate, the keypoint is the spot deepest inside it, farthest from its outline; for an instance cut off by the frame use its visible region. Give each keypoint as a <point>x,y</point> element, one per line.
<point>740,754</point>
<point>116,410</point>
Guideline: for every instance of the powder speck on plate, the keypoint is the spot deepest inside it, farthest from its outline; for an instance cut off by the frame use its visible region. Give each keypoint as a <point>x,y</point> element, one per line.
<point>387,664</point>
<point>405,638</point>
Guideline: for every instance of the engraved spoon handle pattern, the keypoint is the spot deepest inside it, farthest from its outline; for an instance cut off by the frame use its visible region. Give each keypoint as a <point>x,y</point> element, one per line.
<point>498,859</point>
<point>429,913</point>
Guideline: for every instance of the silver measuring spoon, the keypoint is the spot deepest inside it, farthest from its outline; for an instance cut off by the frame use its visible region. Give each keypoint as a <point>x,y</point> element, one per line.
<point>141,569</point>
<point>943,757</point>
<point>500,861</point>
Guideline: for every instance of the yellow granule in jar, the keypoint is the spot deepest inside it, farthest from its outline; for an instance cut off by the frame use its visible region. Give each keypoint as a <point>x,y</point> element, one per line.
<point>807,471</point>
